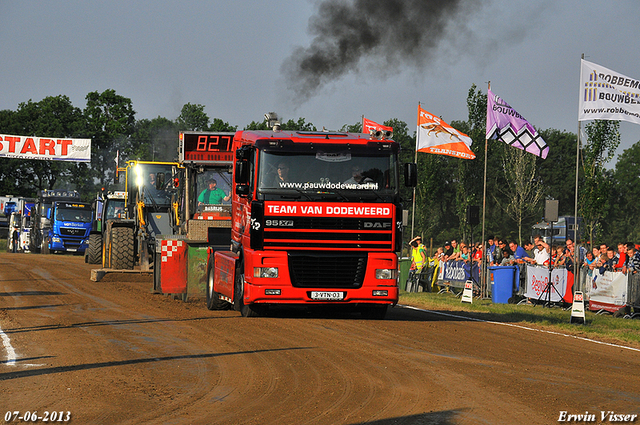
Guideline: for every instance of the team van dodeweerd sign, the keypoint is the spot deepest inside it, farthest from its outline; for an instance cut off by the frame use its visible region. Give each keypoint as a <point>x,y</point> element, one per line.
<point>26,147</point>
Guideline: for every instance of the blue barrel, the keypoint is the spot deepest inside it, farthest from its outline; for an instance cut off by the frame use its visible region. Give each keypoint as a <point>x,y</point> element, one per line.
<point>502,283</point>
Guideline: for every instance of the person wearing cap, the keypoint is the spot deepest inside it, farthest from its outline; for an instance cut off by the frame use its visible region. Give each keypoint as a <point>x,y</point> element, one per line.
<point>213,194</point>
<point>418,261</point>
<point>448,250</point>
<point>418,253</point>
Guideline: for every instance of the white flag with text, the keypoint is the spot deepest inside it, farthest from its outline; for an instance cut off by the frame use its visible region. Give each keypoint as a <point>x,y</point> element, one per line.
<point>607,95</point>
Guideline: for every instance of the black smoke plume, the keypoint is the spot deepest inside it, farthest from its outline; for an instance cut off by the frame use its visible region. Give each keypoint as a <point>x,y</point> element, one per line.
<point>387,34</point>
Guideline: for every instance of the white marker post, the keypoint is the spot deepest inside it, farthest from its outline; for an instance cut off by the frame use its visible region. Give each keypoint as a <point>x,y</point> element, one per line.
<point>467,294</point>
<point>577,310</point>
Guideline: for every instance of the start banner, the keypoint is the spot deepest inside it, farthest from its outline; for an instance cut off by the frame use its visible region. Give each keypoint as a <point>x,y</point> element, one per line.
<point>45,148</point>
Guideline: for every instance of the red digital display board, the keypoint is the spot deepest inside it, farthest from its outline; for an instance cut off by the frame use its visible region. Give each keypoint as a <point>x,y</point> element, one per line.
<point>205,147</point>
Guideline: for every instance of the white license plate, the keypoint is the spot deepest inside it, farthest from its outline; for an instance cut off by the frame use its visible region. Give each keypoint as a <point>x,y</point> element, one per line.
<point>327,295</point>
<point>72,250</point>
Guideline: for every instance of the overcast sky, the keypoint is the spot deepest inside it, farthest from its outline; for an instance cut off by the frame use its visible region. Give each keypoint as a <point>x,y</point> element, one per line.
<point>239,58</point>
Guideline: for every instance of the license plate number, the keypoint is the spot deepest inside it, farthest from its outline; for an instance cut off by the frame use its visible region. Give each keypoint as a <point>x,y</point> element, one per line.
<point>327,295</point>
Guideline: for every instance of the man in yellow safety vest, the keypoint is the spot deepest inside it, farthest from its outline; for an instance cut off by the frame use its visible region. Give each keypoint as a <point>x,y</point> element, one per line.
<point>418,261</point>
<point>418,254</point>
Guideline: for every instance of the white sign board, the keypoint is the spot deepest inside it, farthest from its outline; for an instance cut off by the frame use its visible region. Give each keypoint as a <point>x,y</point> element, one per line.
<point>538,283</point>
<point>45,148</point>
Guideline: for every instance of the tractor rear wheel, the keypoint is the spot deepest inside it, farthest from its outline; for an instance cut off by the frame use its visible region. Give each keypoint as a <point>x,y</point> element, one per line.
<point>122,245</point>
<point>94,250</point>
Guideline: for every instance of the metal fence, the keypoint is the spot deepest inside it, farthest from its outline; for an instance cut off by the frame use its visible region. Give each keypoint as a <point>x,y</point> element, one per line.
<point>429,280</point>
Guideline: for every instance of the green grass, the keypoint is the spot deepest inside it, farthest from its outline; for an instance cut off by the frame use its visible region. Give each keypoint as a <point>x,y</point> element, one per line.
<point>600,327</point>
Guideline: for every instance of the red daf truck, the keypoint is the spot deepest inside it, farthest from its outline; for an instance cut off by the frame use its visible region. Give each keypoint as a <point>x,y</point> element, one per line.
<point>316,219</point>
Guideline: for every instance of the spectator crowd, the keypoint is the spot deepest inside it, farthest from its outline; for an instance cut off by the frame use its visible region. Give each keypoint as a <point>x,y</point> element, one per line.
<point>500,252</point>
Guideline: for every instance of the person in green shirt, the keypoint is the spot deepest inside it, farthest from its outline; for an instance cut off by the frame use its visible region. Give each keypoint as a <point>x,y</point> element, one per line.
<point>212,195</point>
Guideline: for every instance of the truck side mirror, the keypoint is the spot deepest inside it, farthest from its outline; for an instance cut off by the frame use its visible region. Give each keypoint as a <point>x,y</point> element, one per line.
<point>242,190</point>
<point>411,174</point>
<point>241,172</point>
<point>48,213</point>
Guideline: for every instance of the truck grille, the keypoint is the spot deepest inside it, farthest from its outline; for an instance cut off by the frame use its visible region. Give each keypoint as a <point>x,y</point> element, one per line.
<point>68,243</point>
<point>67,231</point>
<point>317,270</point>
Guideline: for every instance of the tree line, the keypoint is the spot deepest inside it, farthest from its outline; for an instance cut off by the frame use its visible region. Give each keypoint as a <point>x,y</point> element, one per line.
<point>517,182</point>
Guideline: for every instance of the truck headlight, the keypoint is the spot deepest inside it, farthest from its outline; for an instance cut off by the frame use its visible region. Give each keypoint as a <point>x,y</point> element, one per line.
<point>56,239</point>
<point>386,273</point>
<point>270,272</point>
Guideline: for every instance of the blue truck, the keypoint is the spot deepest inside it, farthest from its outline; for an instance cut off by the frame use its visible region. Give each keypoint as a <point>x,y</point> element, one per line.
<point>562,229</point>
<point>70,226</point>
<point>61,223</point>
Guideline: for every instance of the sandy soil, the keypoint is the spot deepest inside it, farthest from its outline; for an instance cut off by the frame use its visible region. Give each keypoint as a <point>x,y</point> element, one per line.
<point>112,352</point>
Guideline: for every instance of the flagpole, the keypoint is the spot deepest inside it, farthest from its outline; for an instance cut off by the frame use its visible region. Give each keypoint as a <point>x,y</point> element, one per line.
<point>415,160</point>
<point>483,272</point>
<point>576,267</point>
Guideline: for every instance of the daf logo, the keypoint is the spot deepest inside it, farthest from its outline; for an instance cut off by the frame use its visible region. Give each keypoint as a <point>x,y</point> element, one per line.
<point>376,225</point>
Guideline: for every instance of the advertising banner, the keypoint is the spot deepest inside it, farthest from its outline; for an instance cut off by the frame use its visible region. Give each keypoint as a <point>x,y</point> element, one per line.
<point>538,288</point>
<point>607,95</point>
<point>43,148</point>
<point>608,291</point>
<point>459,271</point>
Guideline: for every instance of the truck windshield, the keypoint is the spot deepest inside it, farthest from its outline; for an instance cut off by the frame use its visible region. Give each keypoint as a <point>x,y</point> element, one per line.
<point>327,174</point>
<point>156,182</point>
<point>73,214</point>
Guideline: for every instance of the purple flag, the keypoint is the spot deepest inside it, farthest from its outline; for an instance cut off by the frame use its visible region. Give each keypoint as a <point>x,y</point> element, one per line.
<point>504,123</point>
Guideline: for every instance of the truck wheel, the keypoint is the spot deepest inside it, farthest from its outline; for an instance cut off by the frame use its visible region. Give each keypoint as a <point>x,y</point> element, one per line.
<point>214,302</point>
<point>14,243</point>
<point>238,297</point>
<point>122,248</point>
<point>94,251</point>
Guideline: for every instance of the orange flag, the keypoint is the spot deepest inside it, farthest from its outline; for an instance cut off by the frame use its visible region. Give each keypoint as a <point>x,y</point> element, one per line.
<point>437,137</point>
<point>368,125</point>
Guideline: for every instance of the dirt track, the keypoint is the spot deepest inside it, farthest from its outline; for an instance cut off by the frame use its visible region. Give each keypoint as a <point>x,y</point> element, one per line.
<point>112,352</point>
